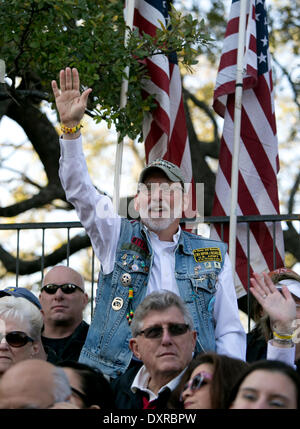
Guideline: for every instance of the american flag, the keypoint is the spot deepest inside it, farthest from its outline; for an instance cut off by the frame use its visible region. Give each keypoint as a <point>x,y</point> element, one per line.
<point>164,130</point>
<point>258,157</point>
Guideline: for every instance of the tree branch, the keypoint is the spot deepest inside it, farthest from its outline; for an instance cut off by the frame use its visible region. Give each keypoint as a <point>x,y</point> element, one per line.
<point>23,93</point>
<point>29,267</point>
<point>45,196</point>
<point>291,241</point>
<point>199,150</point>
<point>293,193</point>
<point>23,177</point>
<point>41,134</point>
<point>23,38</point>
<point>291,82</point>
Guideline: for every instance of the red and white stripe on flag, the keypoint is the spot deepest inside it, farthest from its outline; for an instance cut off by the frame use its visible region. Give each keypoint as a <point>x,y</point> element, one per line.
<point>258,156</point>
<point>164,130</point>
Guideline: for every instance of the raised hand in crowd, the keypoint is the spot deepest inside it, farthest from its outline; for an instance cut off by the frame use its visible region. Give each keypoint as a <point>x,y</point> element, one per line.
<point>280,306</point>
<point>70,103</point>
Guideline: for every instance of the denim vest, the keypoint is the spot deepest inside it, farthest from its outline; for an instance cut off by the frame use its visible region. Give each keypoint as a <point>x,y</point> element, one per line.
<point>198,262</point>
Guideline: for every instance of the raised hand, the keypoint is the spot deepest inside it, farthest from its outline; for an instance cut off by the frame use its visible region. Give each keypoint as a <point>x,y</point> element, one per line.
<point>280,307</point>
<point>70,103</point>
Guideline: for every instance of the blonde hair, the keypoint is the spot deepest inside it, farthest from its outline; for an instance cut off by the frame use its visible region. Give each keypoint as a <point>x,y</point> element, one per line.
<point>24,311</point>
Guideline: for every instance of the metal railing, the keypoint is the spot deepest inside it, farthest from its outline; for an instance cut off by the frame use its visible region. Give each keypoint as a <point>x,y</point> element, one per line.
<point>68,226</point>
<point>43,227</point>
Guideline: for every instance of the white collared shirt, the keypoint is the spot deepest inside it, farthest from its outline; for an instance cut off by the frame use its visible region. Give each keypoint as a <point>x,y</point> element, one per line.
<point>163,266</point>
<point>141,382</point>
<point>97,215</point>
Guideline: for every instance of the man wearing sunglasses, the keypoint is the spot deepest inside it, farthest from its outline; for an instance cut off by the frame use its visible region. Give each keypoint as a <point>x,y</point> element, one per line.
<point>141,256</point>
<point>163,339</point>
<point>63,300</point>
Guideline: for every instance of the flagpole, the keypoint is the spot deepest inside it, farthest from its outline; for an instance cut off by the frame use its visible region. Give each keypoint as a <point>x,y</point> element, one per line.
<point>129,10</point>
<point>237,132</point>
<point>2,71</point>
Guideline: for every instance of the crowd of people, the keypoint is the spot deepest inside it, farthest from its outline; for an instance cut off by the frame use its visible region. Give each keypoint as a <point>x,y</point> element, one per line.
<point>166,372</point>
<point>166,331</point>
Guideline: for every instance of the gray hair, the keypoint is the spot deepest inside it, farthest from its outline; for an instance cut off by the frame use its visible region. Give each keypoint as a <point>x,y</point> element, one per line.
<point>24,311</point>
<point>62,389</point>
<point>159,301</point>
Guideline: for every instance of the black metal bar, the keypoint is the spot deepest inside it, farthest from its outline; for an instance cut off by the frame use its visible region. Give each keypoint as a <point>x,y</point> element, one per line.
<point>248,277</point>
<point>18,258</point>
<point>40,225</point>
<point>207,219</point>
<point>274,246</point>
<point>253,218</point>
<point>92,283</point>
<point>68,246</point>
<point>222,231</point>
<point>43,255</point>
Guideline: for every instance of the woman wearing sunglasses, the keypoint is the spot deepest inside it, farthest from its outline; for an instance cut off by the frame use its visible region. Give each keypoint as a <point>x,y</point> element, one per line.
<point>207,382</point>
<point>20,331</point>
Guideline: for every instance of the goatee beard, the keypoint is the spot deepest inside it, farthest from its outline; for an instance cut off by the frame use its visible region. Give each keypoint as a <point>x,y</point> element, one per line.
<point>157,225</point>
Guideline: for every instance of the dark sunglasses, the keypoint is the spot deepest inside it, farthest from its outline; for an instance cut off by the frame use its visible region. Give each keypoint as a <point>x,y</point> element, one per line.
<point>198,381</point>
<point>67,288</point>
<point>156,331</point>
<point>16,338</point>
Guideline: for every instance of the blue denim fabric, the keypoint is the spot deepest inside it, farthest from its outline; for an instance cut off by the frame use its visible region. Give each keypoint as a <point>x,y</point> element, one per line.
<point>106,345</point>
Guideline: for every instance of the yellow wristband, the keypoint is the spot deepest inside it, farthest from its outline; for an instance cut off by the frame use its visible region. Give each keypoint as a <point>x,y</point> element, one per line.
<point>67,130</point>
<point>282,337</point>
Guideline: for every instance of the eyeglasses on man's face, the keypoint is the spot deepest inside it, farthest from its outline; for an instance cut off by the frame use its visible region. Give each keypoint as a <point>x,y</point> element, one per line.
<point>67,288</point>
<point>16,338</point>
<point>156,331</point>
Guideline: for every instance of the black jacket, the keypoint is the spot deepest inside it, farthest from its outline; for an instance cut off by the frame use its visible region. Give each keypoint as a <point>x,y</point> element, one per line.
<point>69,348</point>
<point>125,399</point>
<point>256,346</point>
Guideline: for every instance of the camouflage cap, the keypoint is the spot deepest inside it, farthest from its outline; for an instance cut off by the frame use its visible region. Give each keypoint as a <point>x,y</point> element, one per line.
<point>172,171</point>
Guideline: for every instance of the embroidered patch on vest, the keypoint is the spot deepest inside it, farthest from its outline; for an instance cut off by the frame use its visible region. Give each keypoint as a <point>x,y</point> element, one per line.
<point>207,254</point>
<point>135,248</point>
<point>140,243</point>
